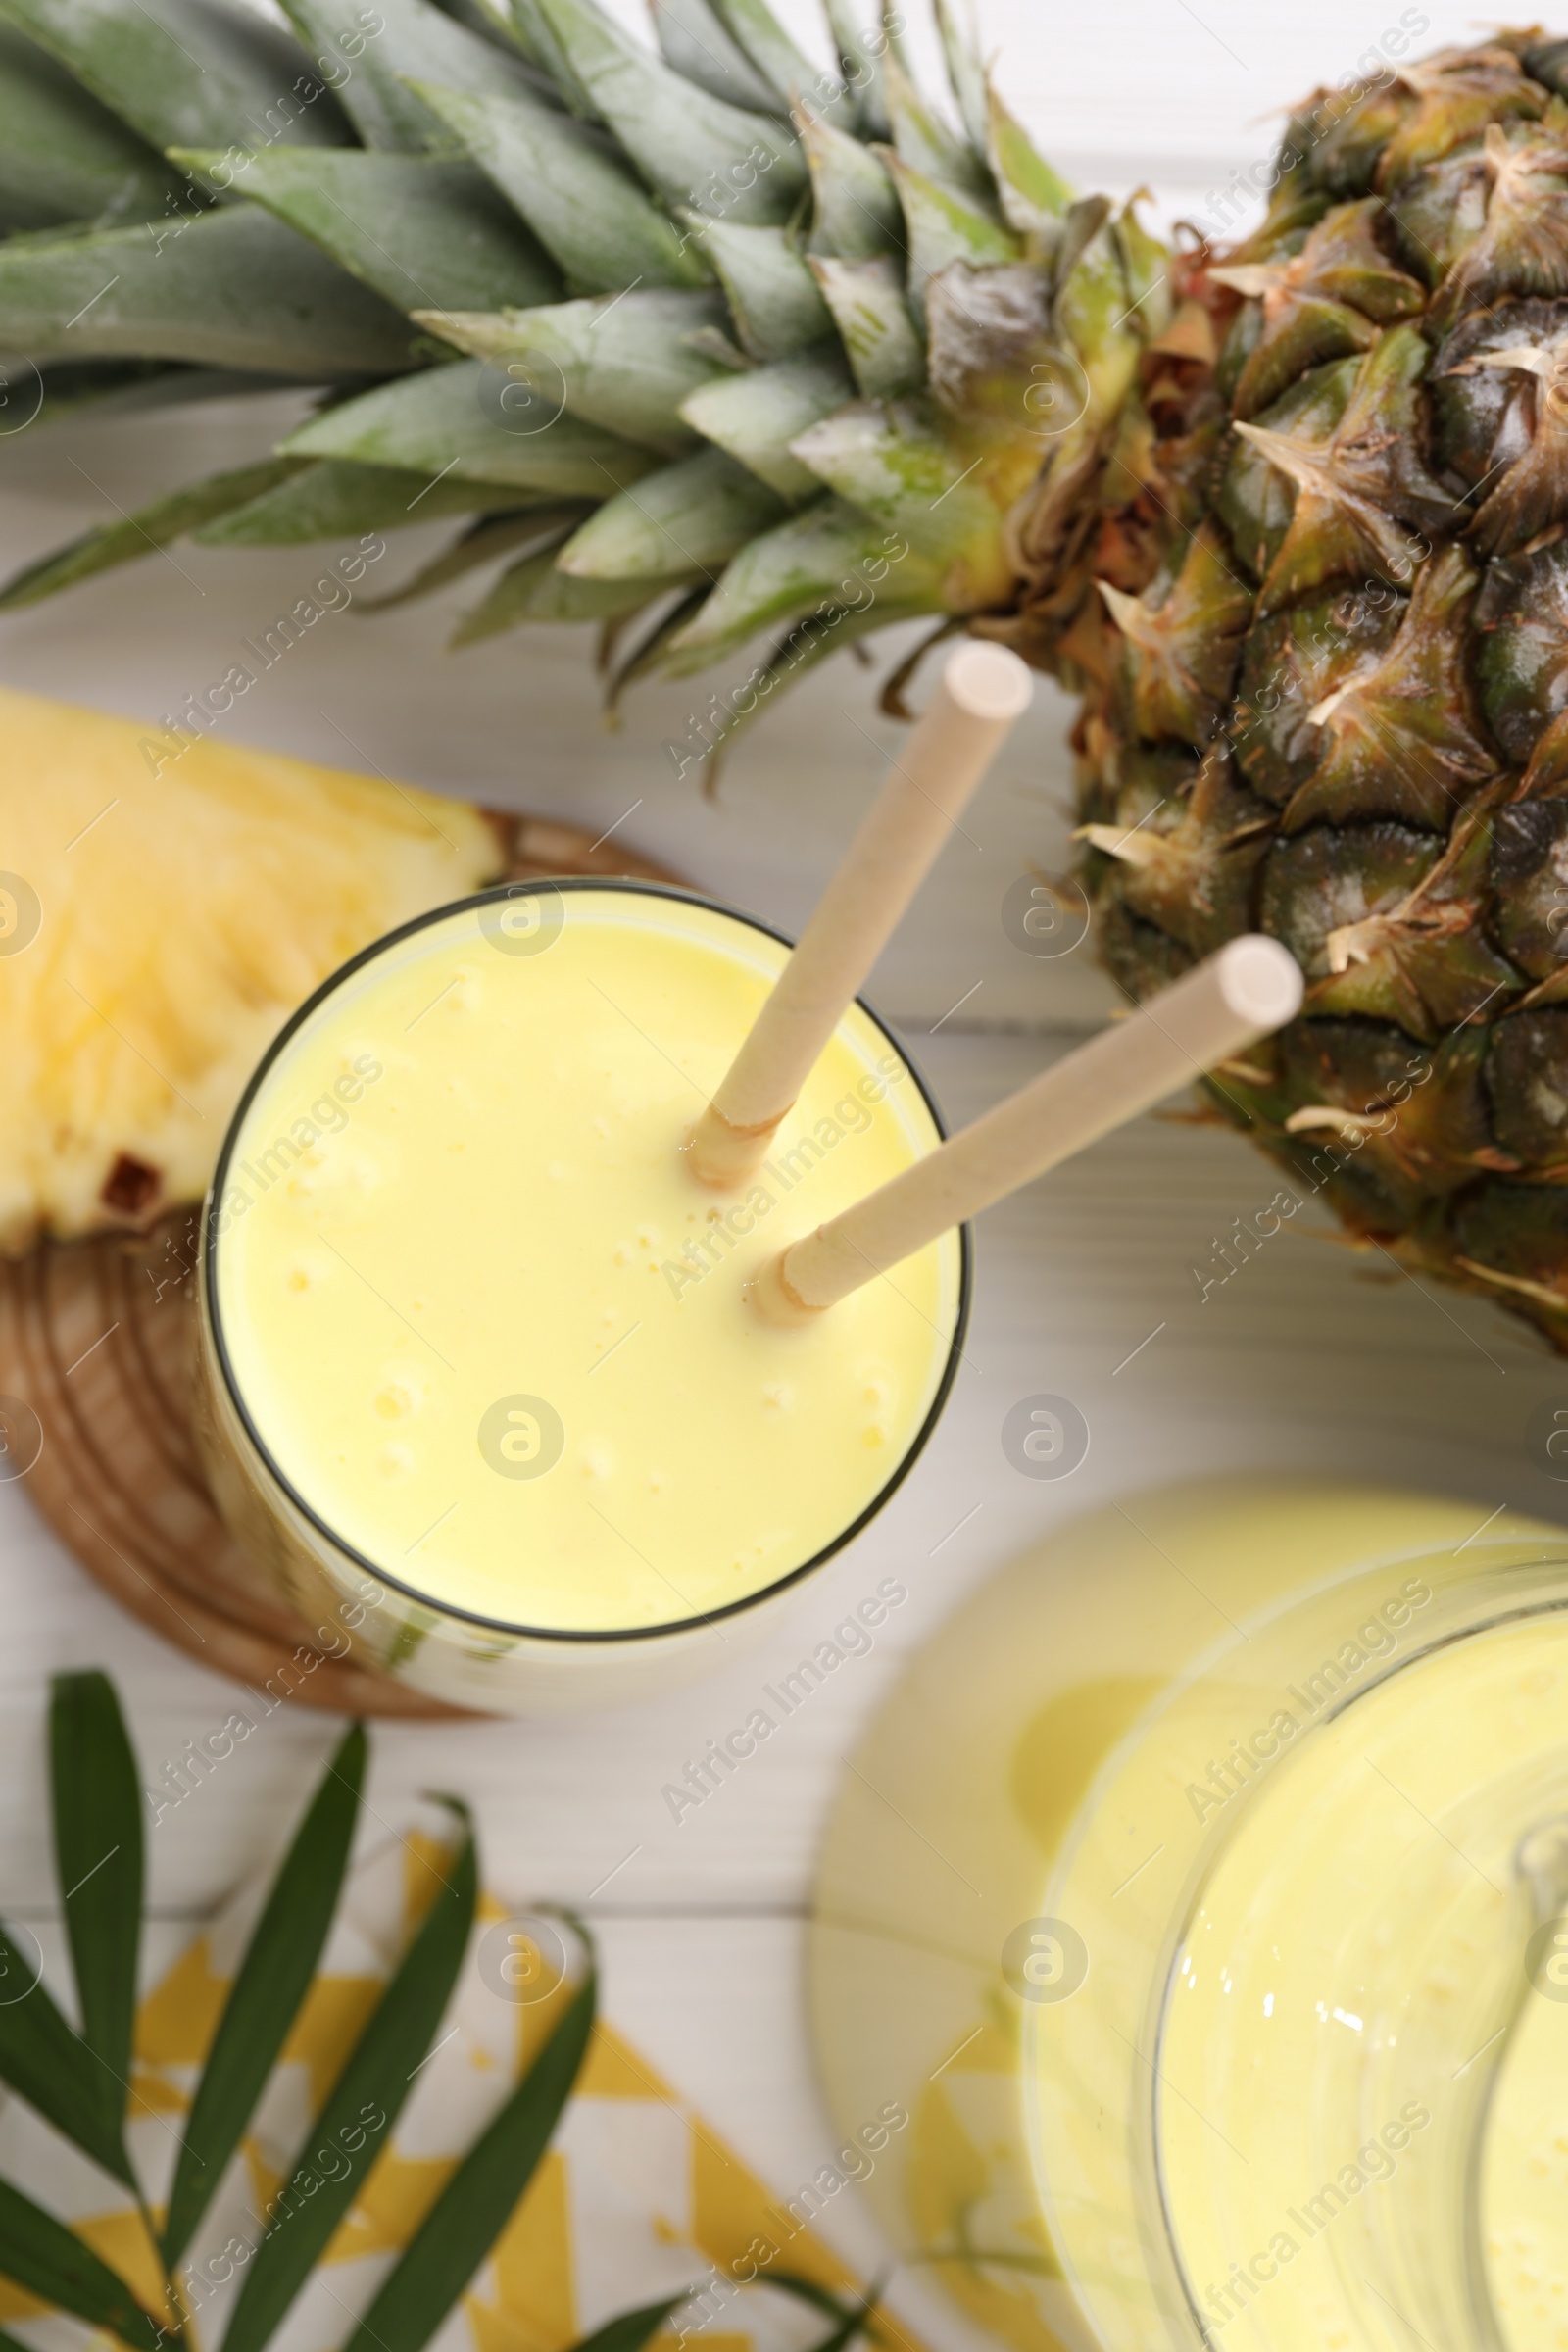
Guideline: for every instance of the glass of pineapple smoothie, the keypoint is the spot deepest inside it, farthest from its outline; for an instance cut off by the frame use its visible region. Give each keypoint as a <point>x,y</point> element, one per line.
<point>1205,1904</point>
<point>477,1373</point>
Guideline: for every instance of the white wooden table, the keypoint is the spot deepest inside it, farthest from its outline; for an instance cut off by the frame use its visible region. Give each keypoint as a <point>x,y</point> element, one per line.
<point>1085,1283</point>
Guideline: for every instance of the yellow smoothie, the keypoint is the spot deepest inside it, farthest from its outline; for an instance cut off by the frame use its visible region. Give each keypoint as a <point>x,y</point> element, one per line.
<point>487,1330</point>
<point>1180,1895</point>
<point>1369,1884</point>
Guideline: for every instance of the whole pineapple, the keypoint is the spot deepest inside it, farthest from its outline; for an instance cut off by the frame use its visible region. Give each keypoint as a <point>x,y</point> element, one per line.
<point>1319,613</point>
<point>718,348</point>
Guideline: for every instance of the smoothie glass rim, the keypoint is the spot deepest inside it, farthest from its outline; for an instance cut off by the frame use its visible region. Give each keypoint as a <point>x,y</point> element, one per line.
<point>211,1325</point>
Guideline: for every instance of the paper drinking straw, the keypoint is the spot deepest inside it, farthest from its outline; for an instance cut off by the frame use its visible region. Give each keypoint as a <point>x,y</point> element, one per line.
<point>1249,988</point>
<point>983,690</point>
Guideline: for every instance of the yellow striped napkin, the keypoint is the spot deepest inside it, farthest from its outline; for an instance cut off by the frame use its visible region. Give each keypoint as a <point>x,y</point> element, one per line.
<point>635,2200</point>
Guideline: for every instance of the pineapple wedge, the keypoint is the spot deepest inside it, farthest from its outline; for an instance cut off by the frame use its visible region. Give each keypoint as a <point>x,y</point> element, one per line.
<point>156,931</point>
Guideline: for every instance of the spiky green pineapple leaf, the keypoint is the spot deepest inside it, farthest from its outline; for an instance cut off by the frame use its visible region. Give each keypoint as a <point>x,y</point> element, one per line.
<point>756,416</point>
<point>330,498</point>
<point>857,212</point>
<point>896,460</point>
<point>1092,312</point>
<point>375,2081</point>
<point>966,73</point>
<point>626,363</point>
<point>693,150</point>
<point>131,536</point>
<point>96,1810</point>
<point>783,64</point>
<point>188,72</point>
<point>270,1985</point>
<point>1034,198</point>
<point>774,300</point>
<point>424,232</point>
<point>691,517</point>
<point>537,38</point>
<point>63,157</point>
<point>861,57</point>
<point>472,2208</point>
<point>893,31</point>
<point>118,387</point>
<point>870,310</point>
<point>943,226</point>
<point>535,588</point>
<point>830,557</point>
<point>43,2256</point>
<point>492,22</point>
<point>1146,270</point>
<point>693,41</point>
<point>474,421</point>
<point>229,288</point>
<point>645,658</point>
<point>492,536</point>
<point>585,208</point>
<point>418,42</point>
<point>827,631</point>
<point>923,141</point>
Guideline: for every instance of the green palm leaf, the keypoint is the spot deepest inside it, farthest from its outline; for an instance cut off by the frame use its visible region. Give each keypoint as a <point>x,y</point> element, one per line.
<point>473,2208</point>
<point>271,1982</point>
<point>96,1800</point>
<point>43,2256</point>
<point>374,2081</point>
<point>629,2330</point>
<point>46,2064</point>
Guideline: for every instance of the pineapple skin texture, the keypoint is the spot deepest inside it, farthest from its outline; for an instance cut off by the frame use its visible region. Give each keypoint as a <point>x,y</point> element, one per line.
<point>1319,619</point>
<point>174,923</point>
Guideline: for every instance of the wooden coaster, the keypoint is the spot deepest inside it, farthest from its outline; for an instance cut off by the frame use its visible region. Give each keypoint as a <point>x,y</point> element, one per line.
<point>96,1343</point>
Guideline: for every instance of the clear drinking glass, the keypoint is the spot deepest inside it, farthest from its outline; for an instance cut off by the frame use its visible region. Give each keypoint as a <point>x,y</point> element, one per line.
<point>458,1164</point>
<point>1203,1899</point>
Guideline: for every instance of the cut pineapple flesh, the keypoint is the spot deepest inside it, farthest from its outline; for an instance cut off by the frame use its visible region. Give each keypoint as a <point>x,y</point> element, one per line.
<point>156,931</point>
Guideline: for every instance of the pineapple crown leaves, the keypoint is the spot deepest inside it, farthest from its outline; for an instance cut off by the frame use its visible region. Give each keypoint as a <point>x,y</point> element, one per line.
<point>528,260</point>
<point>79,2078</point>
